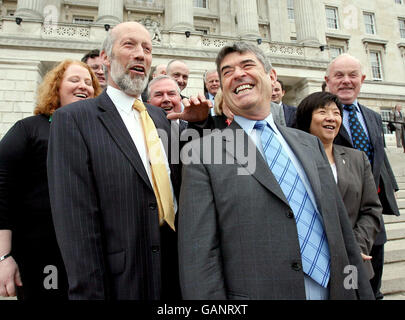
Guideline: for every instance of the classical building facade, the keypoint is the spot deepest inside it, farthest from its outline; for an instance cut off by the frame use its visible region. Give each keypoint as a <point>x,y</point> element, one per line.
<point>299,36</point>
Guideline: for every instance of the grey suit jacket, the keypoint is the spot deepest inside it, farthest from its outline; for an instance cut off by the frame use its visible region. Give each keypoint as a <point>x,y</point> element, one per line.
<point>103,205</point>
<point>278,113</point>
<point>359,194</point>
<point>237,234</point>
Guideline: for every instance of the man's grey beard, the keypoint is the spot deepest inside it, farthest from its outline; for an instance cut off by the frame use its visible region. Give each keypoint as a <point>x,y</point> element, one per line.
<point>131,86</point>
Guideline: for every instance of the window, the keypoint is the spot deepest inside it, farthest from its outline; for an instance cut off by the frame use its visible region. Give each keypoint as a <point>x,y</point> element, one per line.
<point>83,20</point>
<point>375,61</point>
<point>203,31</point>
<point>369,22</point>
<point>335,52</point>
<point>331,18</point>
<point>290,9</point>
<point>200,3</point>
<point>402,27</point>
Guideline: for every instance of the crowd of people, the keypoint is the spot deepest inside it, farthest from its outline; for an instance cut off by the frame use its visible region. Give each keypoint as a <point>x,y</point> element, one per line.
<point>93,186</point>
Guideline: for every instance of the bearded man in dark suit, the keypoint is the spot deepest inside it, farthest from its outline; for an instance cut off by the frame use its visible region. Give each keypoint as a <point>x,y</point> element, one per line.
<point>112,185</point>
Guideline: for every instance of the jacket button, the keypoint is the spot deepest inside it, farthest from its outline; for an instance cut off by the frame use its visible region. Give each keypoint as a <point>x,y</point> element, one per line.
<point>290,214</point>
<point>296,266</point>
<point>155,249</point>
<point>152,206</point>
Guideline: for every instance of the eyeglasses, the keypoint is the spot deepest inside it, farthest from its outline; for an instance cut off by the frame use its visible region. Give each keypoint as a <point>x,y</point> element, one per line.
<point>96,67</point>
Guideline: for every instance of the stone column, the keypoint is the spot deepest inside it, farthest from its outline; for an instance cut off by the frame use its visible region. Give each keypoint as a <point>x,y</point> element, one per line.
<point>247,17</point>
<point>181,15</point>
<point>110,12</point>
<point>305,22</point>
<point>31,9</point>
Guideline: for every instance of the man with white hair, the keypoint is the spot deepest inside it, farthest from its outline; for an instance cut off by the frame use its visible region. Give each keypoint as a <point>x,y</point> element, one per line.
<point>344,78</point>
<point>164,92</point>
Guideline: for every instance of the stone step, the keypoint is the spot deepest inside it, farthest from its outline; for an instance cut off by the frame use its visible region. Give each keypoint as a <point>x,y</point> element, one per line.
<point>394,149</point>
<point>400,178</point>
<point>394,219</point>
<point>394,251</point>
<point>393,280</point>
<point>401,203</point>
<point>400,194</point>
<point>395,231</point>
<point>395,296</point>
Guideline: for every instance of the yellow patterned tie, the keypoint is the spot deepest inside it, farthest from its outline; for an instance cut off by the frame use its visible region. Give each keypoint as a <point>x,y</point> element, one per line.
<point>160,177</point>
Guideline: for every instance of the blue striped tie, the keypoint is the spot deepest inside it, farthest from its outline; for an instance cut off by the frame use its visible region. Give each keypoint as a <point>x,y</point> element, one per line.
<point>312,238</point>
<point>359,136</point>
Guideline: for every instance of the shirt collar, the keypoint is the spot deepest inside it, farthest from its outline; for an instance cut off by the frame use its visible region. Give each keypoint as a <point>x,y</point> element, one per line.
<point>121,100</point>
<point>248,124</point>
<point>356,105</point>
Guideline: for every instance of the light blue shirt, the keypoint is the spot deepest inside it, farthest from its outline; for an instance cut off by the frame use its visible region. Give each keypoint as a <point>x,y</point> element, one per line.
<point>313,290</point>
<point>359,116</point>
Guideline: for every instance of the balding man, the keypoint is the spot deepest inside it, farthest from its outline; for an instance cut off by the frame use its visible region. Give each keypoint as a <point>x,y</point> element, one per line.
<point>113,186</point>
<point>211,83</point>
<point>180,72</point>
<point>160,69</point>
<point>344,78</point>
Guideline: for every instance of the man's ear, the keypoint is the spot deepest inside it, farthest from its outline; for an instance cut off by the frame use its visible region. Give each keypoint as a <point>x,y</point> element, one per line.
<point>105,58</point>
<point>273,75</point>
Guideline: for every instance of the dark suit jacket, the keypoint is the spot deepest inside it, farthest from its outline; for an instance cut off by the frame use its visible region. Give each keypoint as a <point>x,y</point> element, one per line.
<point>237,235</point>
<point>380,167</point>
<point>103,205</point>
<point>359,194</point>
<point>289,115</point>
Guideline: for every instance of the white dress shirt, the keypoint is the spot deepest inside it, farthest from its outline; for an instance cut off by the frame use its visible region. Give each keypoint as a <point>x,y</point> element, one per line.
<point>133,123</point>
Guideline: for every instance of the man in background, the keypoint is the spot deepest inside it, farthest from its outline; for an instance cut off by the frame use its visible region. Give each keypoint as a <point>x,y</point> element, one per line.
<point>180,72</point>
<point>344,78</point>
<point>94,61</point>
<point>277,97</point>
<point>211,84</point>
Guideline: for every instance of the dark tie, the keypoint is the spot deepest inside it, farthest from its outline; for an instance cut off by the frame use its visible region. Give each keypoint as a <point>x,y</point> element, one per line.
<point>359,136</point>
<point>311,235</point>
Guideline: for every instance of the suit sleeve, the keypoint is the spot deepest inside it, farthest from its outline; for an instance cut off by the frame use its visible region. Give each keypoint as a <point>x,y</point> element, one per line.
<point>13,148</point>
<point>369,218</point>
<point>201,274</point>
<point>75,211</point>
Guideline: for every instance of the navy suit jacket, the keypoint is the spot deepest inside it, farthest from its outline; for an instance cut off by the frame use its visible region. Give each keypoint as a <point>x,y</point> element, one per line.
<point>289,115</point>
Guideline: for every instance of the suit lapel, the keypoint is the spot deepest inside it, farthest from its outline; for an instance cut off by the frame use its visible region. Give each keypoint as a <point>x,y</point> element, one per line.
<point>343,134</point>
<point>370,123</point>
<point>341,162</point>
<point>260,171</point>
<point>304,154</point>
<point>113,123</point>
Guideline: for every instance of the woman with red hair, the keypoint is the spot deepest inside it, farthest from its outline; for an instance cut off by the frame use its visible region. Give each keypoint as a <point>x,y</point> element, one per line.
<point>31,266</point>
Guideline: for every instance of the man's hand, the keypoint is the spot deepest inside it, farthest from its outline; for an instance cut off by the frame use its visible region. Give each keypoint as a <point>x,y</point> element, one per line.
<point>366,257</point>
<point>195,109</point>
<point>9,277</point>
